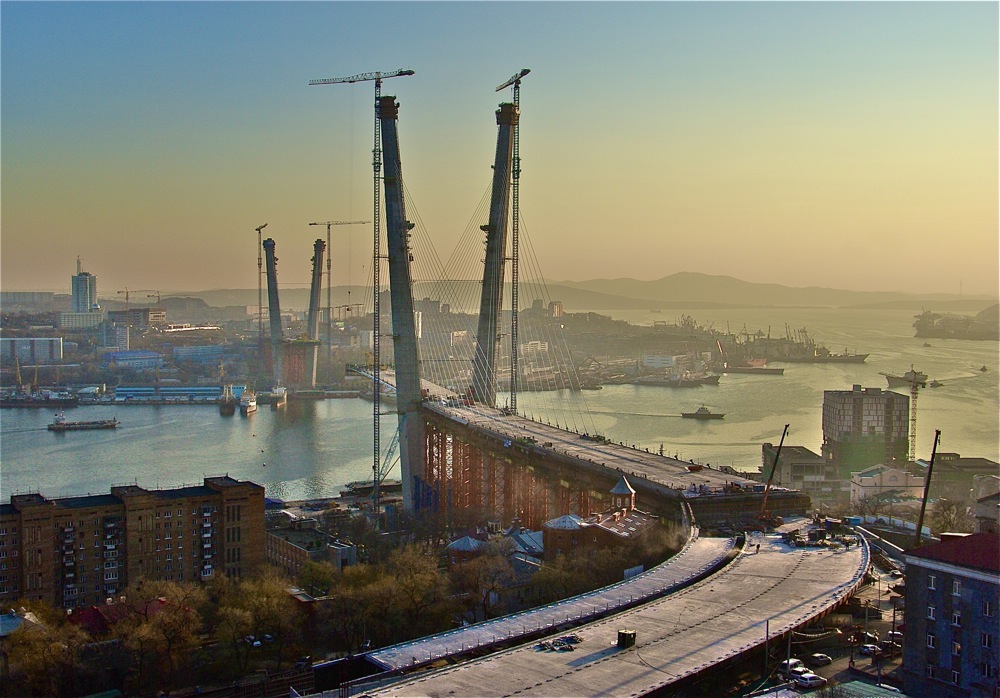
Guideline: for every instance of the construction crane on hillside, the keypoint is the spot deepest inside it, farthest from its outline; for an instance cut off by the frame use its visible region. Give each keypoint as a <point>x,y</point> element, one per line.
<point>514,81</point>
<point>329,287</point>
<point>128,308</point>
<point>377,78</point>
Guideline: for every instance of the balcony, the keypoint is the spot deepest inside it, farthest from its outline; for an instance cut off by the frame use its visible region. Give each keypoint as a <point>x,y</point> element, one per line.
<point>206,524</point>
<point>207,534</point>
<point>69,561</point>
<point>207,556</point>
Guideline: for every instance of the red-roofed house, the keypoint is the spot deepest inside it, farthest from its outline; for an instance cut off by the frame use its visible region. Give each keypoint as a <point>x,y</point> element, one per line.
<point>952,634</point>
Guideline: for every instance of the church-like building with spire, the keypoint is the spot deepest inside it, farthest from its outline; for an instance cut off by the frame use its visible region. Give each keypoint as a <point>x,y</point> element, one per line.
<point>621,523</point>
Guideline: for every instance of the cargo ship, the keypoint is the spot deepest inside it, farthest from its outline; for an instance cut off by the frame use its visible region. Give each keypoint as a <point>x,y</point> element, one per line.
<point>703,413</point>
<point>911,377</point>
<point>985,325</point>
<point>248,402</point>
<point>41,398</point>
<point>59,423</point>
<point>228,401</point>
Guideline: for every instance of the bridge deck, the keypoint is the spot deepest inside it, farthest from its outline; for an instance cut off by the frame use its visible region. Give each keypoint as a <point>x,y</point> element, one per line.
<point>677,636</point>
<point>671,473</point>
<point>697,557</point>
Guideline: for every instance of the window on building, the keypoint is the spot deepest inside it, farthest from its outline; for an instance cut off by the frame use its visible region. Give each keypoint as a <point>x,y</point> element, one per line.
<point>956,618</point>
<point>956,677</point>
<point>931,640</point>
<point>956,587</point>
<point>987,609</point>
<point>931,613</point>
<point>988,670</point>
<point>956,649</point>
<point>987,640</point>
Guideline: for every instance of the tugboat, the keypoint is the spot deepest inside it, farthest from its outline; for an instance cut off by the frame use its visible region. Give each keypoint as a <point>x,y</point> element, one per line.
<point>703,413</point>
<point>248,402</point>
<point>59,423</point>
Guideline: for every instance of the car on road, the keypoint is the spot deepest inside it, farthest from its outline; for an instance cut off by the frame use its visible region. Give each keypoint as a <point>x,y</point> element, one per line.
<point>820,659</point>
<point>868,650</point>
<point>789,665</point>
<point>895,573</point>
<point>894,635</point>
<point>809,681</point>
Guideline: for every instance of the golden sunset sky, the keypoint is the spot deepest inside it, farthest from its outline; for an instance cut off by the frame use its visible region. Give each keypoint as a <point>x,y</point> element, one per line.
<point>847,144</point>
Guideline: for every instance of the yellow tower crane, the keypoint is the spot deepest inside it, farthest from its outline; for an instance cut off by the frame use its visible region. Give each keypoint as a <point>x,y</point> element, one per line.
<point>377,78</point>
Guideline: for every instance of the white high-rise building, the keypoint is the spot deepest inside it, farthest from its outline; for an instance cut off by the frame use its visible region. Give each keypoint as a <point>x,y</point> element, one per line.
<point>84,290</point>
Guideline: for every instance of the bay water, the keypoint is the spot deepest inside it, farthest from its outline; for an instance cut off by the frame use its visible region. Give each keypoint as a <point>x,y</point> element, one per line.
<point>311,449</point>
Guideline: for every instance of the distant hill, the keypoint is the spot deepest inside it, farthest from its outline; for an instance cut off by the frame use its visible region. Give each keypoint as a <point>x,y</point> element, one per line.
<point>681,290</point>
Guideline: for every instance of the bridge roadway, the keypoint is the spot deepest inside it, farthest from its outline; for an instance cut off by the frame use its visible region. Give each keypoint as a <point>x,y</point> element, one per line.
<point>721,618</point>
<point>670,473</point>
<point>698,557</point>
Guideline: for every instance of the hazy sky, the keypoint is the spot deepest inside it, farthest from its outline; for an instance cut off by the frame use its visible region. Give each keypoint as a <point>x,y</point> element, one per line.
<point>848,145</point>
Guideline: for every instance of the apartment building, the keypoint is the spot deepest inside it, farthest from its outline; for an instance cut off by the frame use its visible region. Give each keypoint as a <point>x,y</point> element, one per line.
<point>78,551</point>
<point>951,635</point>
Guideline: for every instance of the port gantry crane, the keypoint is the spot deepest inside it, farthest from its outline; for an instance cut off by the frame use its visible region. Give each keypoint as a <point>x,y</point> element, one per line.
<point>377,78</point>
<point>329,286</point>
<point>514,81</point>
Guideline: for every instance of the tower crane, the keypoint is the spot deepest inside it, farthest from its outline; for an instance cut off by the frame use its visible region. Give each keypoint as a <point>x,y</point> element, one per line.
<point>377,78</point>
<point>329,286</point>
<point>128,308</point>
<point>515,189</point>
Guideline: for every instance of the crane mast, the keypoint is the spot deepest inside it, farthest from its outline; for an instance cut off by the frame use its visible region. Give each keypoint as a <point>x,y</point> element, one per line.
<point>515,81</point>
<point>377,78</point>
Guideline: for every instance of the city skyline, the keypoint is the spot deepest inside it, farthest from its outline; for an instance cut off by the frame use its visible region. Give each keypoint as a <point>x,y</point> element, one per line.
<point>845,145</point>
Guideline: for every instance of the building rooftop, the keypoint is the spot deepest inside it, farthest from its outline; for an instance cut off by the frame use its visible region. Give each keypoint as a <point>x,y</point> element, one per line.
<point>566,522</point>
<point>467,544</point>
<point>628,524</point>
<point>622,487</point>
<point>93,500</point>
<point>979,551</point>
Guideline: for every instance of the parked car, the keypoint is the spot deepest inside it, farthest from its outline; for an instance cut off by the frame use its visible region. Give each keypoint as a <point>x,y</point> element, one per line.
<point>868,650</point>
<point>819,659</point>
<point>894,636</point>
<point>896,573</point>
<point>809,681</point>
<point>786,666</point>
<point>798,671</point>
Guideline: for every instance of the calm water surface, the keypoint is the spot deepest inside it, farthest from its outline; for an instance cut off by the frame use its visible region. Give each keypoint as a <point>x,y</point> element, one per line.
<point>312,449</point>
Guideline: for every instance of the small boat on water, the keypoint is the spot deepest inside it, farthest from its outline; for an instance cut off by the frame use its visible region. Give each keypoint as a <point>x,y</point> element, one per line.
<point>59,423</point>
<point>248,402</point>
<point>936,383</point>
<point>703,413</point>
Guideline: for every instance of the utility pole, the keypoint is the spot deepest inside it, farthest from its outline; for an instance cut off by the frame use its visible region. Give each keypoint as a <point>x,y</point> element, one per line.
<point>260,303</point>
<point>329,286</point>
<point>515,214</point>
<point>377,78</point>
<point>927,488</point>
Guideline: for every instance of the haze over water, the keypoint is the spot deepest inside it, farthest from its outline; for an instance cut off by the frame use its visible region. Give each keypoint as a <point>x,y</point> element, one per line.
<point>312,449</point>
